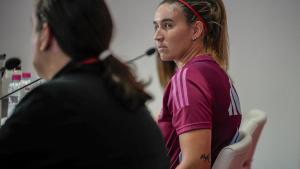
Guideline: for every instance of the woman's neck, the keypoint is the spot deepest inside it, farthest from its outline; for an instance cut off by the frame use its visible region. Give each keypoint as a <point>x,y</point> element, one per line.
<point>189,54</point>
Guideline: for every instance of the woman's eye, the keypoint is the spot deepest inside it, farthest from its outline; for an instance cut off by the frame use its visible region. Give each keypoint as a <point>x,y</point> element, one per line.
<point>168,25</point>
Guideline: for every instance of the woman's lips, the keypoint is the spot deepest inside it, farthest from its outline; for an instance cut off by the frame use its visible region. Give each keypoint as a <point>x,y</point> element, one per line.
<point>161,47</point>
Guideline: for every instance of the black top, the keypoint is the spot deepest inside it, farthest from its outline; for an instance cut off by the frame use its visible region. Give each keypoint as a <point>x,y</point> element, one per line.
<point>73,121</point>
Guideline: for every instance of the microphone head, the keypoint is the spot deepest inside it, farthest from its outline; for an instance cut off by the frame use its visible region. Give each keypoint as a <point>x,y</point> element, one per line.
<point>150,51</point>
<point>12,63</point>
<point>2,56</point>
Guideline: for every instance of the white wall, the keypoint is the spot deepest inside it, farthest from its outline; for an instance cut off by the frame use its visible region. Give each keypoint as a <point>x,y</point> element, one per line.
<point>15,30</point>
<point>265,47</point>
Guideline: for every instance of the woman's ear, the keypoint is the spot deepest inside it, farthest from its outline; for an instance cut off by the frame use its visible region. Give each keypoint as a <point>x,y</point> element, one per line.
<point>45,37</point>
<point>197,30</point>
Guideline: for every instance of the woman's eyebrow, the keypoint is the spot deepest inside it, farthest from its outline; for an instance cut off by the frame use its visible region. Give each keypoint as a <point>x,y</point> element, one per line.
<point>163,20</point>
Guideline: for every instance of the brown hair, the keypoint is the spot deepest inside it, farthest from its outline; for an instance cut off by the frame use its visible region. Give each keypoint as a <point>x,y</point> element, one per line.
<point>165,70</point>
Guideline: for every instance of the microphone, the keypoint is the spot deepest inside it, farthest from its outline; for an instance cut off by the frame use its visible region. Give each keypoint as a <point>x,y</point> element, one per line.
<point>10,64</point>
<point>149,52</point>
<point>2,56</point>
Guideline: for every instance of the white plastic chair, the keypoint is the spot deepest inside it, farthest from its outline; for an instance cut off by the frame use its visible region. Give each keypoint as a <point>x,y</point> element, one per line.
<point>234,156</point>
<point>252,123</point>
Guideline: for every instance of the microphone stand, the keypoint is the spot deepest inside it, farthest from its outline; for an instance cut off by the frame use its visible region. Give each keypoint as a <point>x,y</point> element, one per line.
<point>136,58</point>
<point>149,52</point>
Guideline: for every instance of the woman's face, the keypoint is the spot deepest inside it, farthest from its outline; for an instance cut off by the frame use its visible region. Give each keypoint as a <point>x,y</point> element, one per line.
<point>173,35</point>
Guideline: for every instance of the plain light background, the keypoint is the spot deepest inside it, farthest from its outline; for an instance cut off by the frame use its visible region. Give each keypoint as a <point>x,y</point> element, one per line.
<point>264,61</point>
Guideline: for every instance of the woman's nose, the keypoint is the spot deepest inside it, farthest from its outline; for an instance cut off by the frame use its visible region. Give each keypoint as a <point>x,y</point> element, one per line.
<point>158,36</point>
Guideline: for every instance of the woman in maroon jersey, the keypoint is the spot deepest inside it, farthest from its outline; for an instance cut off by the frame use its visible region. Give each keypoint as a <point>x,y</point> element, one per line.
<point>201,110</point>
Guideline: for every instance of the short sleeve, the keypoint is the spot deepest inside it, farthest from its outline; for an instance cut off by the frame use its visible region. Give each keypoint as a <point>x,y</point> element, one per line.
<point>192,101</point>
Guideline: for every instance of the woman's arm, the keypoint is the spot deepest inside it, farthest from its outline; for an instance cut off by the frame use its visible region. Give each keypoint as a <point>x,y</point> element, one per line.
<point>196,149</point>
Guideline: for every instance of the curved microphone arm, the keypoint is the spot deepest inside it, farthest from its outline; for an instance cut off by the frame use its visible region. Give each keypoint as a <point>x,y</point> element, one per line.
<point>149,52</point>
<point>3,97</point>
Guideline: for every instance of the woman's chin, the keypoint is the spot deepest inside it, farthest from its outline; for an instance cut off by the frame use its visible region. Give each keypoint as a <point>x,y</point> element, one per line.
<point>165,57</point>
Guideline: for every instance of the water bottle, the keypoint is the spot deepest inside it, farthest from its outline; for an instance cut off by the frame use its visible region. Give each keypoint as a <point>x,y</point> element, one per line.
<point>26,79</point>
<point>14,98</point>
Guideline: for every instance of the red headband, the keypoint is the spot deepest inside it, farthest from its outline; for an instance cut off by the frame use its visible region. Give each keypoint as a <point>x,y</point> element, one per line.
<point>195,13</point>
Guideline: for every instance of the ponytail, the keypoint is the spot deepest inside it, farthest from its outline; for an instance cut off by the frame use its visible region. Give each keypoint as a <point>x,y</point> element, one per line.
<point>166,70</point>
<point>216,40</point>
<point>122,83</point>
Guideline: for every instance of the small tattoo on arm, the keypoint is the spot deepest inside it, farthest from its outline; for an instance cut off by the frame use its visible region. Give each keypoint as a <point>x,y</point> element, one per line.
<point>205,157</point>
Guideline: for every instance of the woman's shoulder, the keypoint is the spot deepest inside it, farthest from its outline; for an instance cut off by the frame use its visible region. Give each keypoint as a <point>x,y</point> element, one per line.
<point>193,71</point>
<point>207,68</point>
<point>199,73</point>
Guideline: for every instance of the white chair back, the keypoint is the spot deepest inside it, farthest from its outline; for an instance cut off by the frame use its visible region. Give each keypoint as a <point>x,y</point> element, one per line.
<point>253,123</point>
<point>234,156</point>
